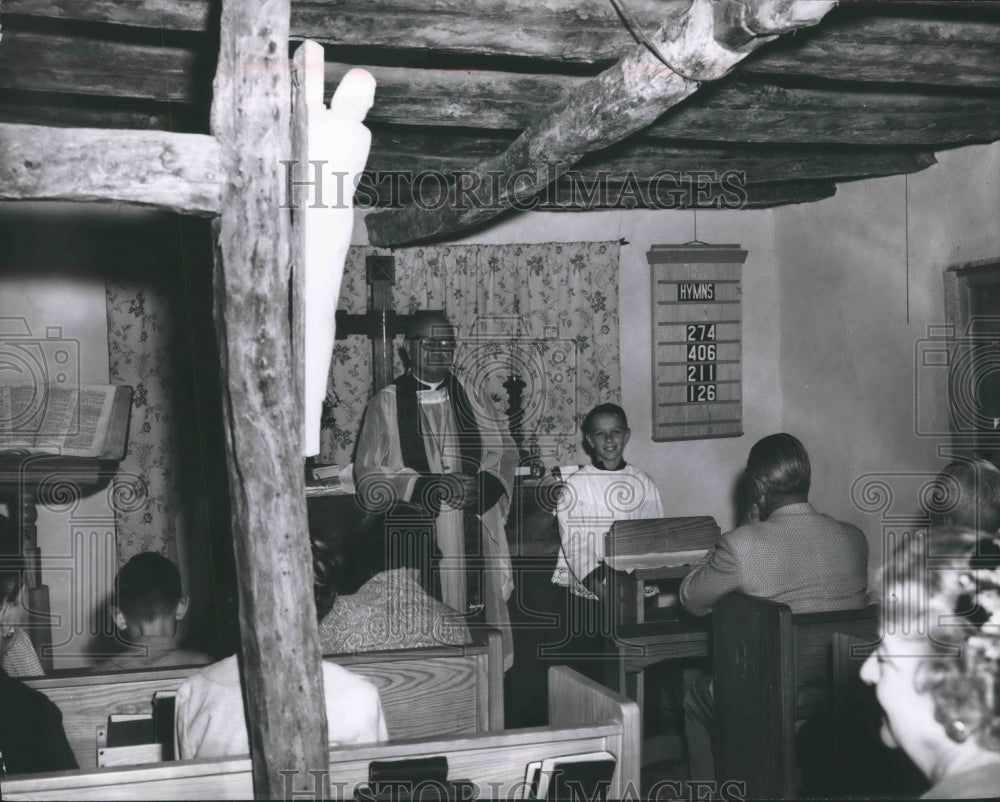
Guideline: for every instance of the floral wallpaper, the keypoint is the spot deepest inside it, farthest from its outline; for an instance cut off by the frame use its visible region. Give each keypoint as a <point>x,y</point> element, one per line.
<point>545,313</point>
<point>144,493</point>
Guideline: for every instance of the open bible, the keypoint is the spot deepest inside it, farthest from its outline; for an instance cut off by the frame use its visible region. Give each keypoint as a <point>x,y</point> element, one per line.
<point>87,420</point>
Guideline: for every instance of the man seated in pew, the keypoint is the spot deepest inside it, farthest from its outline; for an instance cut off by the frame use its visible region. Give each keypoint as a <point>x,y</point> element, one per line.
<point>788,552</point>
<point>378,563</point>
<point>32,737</point>
<point>210,720</point>
<point>148,609</point>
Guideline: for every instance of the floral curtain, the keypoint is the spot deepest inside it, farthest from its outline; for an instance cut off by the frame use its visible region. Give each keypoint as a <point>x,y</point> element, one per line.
<point>535,321</point>
<point>139,348</point>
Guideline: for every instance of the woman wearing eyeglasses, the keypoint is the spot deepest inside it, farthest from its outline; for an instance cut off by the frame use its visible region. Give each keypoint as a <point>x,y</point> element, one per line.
<point>936,672</point>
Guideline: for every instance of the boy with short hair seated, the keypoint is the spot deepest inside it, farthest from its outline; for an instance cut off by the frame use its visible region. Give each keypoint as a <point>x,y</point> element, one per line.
<point>149,605</point>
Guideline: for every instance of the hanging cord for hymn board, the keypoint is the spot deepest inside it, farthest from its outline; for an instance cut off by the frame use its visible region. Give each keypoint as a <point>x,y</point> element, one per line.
<point>645,41</point>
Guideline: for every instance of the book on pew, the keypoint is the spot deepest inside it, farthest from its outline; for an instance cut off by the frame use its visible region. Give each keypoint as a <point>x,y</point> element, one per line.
<point>85,420</point>
<point>164,703</point>
<point>421,778</point>
<point>127,729</point>
<point>582,776</point>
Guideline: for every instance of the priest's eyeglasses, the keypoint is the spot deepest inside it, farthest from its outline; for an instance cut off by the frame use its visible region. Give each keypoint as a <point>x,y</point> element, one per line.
<point>432,344</point>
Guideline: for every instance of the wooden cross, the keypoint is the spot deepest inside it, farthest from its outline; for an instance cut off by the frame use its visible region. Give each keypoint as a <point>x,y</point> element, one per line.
<point>380,323</point>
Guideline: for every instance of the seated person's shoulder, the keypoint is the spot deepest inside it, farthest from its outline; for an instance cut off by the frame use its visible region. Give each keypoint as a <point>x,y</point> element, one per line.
<point>343,678</point>
<point>848,530</point>
<point>747,535</point>
<point>354,707</point>
<point>223,672</point>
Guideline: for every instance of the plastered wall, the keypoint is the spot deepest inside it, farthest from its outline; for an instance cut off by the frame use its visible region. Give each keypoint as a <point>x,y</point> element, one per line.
<point>861,282</point>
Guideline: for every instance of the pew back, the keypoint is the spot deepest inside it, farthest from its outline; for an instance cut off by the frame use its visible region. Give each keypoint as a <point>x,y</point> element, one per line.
<point>585,716</point>
<point>772,670</point>
<point>461,691</point>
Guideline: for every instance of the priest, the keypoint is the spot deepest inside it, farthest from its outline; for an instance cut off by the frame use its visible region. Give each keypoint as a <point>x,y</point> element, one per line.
<point>432,440</point>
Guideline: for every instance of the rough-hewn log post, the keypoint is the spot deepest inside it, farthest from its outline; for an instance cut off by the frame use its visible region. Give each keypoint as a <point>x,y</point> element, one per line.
<point>280,651</point>
<point>703,45</point>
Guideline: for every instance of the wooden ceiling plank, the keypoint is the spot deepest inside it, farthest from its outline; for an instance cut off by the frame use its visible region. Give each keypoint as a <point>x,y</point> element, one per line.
<point>175,15</point>
<point>87,66</point>
<point>886,49</point>
<point>470,98</point>
<point>761,113</point>
<point>178,172</point>
<point>40,112</point>
<point>604,110</point>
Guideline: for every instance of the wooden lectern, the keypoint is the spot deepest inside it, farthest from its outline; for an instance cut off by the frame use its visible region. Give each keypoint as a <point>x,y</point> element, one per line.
<point>96,432</point>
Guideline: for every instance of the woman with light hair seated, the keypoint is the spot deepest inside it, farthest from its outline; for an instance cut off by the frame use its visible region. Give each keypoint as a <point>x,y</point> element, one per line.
<point>937,670</point>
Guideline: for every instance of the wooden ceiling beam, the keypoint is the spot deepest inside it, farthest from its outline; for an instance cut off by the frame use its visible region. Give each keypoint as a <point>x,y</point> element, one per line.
<point>611,106</point>
<point>892,50</point>
<point>177,172</point>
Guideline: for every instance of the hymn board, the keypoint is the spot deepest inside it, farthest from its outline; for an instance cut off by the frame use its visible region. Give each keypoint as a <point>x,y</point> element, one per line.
<point>697,390</point>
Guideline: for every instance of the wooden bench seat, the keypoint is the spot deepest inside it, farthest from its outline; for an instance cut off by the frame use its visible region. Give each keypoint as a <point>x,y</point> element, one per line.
<point>772,671</point>
<point>461,688</point>
<point>585,717</point>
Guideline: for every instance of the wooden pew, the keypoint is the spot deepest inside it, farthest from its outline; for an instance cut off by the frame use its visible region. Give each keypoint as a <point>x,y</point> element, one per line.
<point>772,671</point>
<point>585,717</point>
<point>462,689</point>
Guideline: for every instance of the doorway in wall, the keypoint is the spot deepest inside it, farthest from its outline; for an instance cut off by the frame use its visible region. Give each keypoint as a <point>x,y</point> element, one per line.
<point>972,299</point>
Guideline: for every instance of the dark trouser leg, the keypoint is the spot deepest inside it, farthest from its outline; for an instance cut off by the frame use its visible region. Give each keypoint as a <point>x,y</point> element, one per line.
<point>699,726</point>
